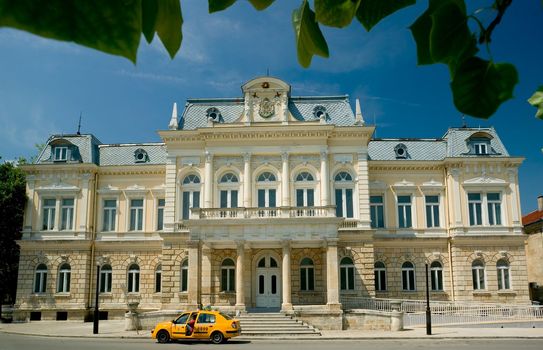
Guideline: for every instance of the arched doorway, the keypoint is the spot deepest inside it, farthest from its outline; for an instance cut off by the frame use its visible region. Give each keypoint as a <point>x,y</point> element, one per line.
<point>268,282</point>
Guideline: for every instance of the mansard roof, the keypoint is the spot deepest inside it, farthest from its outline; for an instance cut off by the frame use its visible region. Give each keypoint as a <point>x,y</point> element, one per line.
<point>86,146</point>
<point>337,108</point>
<point>416,149</point>
<point>125,154</point>
<point>457,145</point>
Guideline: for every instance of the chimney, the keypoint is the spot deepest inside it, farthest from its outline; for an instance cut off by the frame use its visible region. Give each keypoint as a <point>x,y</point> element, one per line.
<point>540,203</point>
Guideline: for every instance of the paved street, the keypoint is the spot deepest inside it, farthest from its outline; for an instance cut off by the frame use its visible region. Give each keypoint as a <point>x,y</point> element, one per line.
<point>18,342</point>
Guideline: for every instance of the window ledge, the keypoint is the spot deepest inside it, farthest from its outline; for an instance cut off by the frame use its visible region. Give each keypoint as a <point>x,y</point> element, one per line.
<point>105,294</point>
<point>38,295</point>
<point>62,295</point>
<point>507,292</point>
<point>348,292</point>
<point>481,293</point>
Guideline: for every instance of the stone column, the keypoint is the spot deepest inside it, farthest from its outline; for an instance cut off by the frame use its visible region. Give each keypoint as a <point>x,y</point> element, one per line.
<point>325,181</point>
<point>363,196</point>
<point>515,205</point>
<point>208,181</point>
<point>247,203</point>
<point>194,274</point>
<point>285,188</point>
<point>287,297</point>
<point>240,288</point>
<point>332,278</point>
<point>82,211</point>
<point>206,274</point>
<point>30,205</point>
<point>454,197</point>
<point>171,186</point>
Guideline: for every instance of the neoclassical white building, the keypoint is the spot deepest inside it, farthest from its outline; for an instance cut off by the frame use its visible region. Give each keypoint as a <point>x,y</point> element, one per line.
<point>269,201</point>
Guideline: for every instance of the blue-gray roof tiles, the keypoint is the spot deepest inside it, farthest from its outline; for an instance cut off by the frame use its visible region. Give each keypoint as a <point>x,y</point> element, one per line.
<point>125,154</point>
<point>383,149</point>
<point>457,145</point>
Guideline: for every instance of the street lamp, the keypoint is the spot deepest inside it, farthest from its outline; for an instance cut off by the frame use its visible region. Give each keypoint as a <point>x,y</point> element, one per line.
<point>428,312</point>
<point>96,310</point>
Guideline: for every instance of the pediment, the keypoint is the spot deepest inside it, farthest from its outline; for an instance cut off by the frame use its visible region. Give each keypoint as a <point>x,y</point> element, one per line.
<point>377,185</point>
<point>485,181</point>
<point>404,185</point>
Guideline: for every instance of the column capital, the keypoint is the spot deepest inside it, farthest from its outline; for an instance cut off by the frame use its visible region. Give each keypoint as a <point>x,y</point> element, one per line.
<point>284,156</point>
<point>208,156</point>
<point>324,155</point>
<point>240,244</point>
<point>331,242</point>
<point>193,244</point>
<point>247,157</point>
<point>285,243</point>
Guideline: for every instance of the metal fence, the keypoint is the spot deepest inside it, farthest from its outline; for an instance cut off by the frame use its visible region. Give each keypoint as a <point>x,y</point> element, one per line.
<point>448,312</point>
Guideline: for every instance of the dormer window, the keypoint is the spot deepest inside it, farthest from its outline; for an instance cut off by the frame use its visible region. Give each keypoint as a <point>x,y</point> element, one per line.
<point>213,114</point>
<point>479,144</point>
<point>141,156</point>
<point>60,154</point>
<point>480,148</point>
<point>401,151</point>
<point>319,112</point>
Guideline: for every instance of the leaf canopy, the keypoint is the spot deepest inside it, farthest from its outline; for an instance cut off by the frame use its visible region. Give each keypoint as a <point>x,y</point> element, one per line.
<point>309,38</point>
<point>537,101</point>
<point>371,12</point>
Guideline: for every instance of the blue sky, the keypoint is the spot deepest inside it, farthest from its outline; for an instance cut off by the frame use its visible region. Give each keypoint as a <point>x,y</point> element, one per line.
<point>45,84</point>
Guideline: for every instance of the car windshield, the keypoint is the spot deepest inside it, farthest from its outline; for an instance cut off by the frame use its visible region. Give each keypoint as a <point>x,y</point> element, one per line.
<point>182,319</point>
<point>225,316</point>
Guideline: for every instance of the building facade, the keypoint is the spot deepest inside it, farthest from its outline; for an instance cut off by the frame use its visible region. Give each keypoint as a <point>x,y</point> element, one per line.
<point>269,201</point>
<point>533,228</point>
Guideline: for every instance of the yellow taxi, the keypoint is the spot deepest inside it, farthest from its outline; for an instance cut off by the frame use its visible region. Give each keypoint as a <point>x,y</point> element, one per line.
<point>201,325</point>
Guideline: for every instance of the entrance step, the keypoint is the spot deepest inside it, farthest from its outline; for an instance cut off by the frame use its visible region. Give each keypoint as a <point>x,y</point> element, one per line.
<point>274,324</point>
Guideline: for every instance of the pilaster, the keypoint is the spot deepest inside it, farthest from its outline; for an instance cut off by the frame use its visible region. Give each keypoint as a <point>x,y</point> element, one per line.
<point>287,279</point>
<point>285,183</point>
<point>170,194</point>
<point>325,179</point>
<point>208,181</point>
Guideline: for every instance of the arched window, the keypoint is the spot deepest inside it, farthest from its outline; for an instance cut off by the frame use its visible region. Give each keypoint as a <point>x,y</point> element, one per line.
<point>229,188</point>
<point>40,279</point>
<point>266,187</point>
<point>380,272</point>
<point>305,192</point>
<point>133,278</point>
<point>185,275</point>
<point>408,276</point>
<point>436,276</point>
<point>228,276</point>
<point>346,273</point>
<point>190,192</point>
<point>478,275</point>
<point>63,282</point>
<point>307,275</point>
<point>105,279</point>
<point>503,274</point>
<point>158,279</point>
<point>344,187</point>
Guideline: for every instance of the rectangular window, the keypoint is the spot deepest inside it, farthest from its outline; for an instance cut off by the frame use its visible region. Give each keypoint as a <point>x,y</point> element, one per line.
<point>404,212</point>
<point>161,203</point>
<point>480,148</point>
<point>67,214</point>
<point>158,281</point>
<point>110,214</point>
<point>61,154</point>
<point>432,211</point>
<point>377,212</point>
<point>344,202</point>
<point>191,199</point>
<point>494,208</point>
<point>49,208</point>
<point>474,207</point>
<point>136,214</point>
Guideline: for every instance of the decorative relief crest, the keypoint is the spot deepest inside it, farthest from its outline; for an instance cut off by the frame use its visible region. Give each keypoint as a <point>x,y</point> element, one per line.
<point>267,108</point>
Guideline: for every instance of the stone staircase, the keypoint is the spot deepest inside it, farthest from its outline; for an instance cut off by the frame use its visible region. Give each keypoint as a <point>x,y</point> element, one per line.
<point>274,324</point>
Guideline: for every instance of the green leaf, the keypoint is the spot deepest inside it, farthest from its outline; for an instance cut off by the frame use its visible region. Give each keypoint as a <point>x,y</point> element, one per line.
<point>309,38</point>
<point>261,4</point>
<point>114,27</point>
<point>537,101</point>
<point>168,25</point>
<point>149,10</point>
<point>450,35</point>
<point>336,13</point>
<point>219,5</point>
<point>479,87</point>
<point>371,12</point>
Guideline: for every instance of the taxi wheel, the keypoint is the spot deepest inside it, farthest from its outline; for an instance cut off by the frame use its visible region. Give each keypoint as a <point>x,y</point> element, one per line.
<point>163,337</point>
<point>217,338</point>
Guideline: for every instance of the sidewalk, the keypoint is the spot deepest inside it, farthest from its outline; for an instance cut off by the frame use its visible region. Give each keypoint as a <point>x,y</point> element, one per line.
<point>115,329</point>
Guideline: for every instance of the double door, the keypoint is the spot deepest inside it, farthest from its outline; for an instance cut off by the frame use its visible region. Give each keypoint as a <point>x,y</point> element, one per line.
<point>268,283</point>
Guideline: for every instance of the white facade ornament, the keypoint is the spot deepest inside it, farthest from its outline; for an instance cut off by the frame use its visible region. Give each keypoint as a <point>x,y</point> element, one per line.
<point>359,119</point>
<point>173,121</point>
<point>267,108</point>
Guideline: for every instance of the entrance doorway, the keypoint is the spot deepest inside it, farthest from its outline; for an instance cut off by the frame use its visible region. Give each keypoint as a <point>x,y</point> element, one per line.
<point>268,283</point>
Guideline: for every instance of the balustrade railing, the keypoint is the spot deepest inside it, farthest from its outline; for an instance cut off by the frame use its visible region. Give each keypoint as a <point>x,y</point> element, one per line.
<point>255,213</point>
<point>448,312</point>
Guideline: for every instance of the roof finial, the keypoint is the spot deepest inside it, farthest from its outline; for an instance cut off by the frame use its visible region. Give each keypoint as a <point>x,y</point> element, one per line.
<point>359,119</point>
<point>173,121</point>
<point>464,125</point>
<point>79,125</point>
